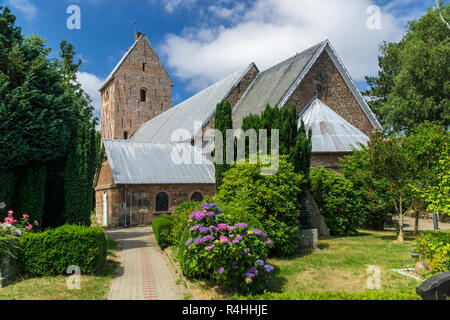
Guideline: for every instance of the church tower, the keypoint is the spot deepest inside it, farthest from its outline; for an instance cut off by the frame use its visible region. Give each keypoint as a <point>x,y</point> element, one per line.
<point>136,91</point>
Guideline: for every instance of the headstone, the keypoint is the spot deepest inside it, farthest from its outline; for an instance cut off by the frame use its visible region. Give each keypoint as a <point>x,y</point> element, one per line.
<point>310,217</point>
<point>309,240</point>
<point>435,288</point>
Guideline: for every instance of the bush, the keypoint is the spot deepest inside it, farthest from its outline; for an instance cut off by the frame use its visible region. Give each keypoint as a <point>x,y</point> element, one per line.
<point>162,227</point>
<point>272,199</point>
<point>340,295</point>
<point>232,256</point>
<point>180,219</point>
<point>434,246</point>
<point>337,201</point>
<point>52,251</point>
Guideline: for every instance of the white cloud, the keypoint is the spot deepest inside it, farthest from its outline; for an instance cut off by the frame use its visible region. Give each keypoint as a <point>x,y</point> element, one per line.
<point>270,31</point>
<point>172,5</point>
<point>90,84</point>
<point>26,7</point>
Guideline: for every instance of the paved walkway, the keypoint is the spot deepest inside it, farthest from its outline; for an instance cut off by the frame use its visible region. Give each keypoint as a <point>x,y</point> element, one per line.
<point>143,273</point>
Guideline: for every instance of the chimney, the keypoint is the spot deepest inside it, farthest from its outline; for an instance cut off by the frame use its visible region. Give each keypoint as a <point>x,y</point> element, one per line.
<point>138,35</point>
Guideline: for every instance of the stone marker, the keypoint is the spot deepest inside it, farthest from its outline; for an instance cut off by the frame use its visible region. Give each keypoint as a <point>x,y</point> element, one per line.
<point>309,240</point>
<point>435,288</point>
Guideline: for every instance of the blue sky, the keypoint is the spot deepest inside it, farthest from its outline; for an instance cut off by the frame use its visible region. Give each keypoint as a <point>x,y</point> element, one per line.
<point>201,41</point>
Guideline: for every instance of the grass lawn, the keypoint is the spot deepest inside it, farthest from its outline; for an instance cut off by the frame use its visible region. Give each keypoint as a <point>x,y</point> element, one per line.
<point>342,264</point>
<point>93,287</point>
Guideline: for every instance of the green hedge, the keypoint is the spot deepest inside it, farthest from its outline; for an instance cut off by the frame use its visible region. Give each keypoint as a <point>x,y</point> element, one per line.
<point>434,247</point>
<point>341,295</point>
<point>51,252</point>
<point>162,227</point>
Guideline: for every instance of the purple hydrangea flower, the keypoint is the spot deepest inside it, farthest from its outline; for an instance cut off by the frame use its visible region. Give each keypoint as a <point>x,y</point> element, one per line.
<point>268,242</point>
<point>209,248</point>
<point>237,240</point>
<point>221,270</point>
<point>188,242</point>
<point>204,230</point>
<point>246,251</point>
<point>206,206</point>
<point>224,239</point>
<point>251,273</point>
<point>213,229</point>
<point>260,262</point>
<point>241,225</point>
<point>196,227</point>
<point>268,268</point>
<point>209,238</point>
<point>210,214</point>
<point>259,232</point>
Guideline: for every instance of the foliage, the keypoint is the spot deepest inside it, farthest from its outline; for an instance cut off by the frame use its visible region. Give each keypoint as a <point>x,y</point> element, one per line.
<point>47,131</point>
<point>273,199</point>
<point>51,252</point>
<point>293,140</point>
<point>434,246</point>
<point>162,227</point>
<point>337,200</point>
<point>180,219</point>
<point>413,84</point>
<point>232,256</point>
<point>222,122</point>
<point>339,295</point>
<point>23,224</point>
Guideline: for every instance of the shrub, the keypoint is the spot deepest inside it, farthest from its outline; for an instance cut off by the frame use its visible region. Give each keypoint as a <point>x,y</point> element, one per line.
<point>434,246</point>
<point>229,255</point>
<point>180,218</point>
<point>52,251</point>
<point>162,227</point>
<point>340,295</point>
<point>337,201</point>
<point>272,199</point>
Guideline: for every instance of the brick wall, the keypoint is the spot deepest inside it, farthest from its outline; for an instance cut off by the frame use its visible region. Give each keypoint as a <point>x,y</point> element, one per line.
<point>143,202</point>
<point>237,92</point>
<point>333,91</point>
<point>326,159</point>
<point>122,108</point>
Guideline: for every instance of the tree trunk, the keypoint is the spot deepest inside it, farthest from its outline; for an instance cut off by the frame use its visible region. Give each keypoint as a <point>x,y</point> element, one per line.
<point>416,227</point>
<point>400,222</point>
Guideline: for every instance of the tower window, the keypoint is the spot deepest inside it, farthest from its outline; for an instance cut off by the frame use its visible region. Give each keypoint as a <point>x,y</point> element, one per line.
<point>162,202</point>
<point>143,67</point>
<point>143,95</point>
<point>125,135</point>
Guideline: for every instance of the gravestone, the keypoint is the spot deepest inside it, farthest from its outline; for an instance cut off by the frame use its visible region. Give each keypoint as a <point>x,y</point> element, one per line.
<point>310,217</point>
<point>309,240</point>
<point>435,288</point>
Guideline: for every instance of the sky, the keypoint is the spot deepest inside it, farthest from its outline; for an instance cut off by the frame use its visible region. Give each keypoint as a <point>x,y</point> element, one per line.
<point>202,41</point>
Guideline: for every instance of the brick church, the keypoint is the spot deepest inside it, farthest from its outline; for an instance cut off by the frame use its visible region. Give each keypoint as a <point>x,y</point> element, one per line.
<point>138,180</point>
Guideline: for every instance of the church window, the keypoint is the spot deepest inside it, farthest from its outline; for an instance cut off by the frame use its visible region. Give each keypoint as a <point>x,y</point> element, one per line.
<point>125,135</point>
<point>197,197</point>
<point>143,67</point>
<point>162,202</point>
<point>143,95</point>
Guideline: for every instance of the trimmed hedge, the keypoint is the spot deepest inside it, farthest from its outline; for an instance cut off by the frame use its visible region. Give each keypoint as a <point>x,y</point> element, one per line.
<point>51,252</point>
<point>162,227</point>
<point>340,295</point>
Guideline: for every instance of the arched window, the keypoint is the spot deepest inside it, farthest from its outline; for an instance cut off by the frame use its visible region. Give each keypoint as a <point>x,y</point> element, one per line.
<point>162,202</point>
<point>143,95</point>
<point>197,197</point>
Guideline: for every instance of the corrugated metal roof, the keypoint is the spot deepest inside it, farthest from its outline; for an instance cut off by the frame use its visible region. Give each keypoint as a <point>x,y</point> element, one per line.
<point>199,108</point>
<point>271,86</point>
<point>146,163</point>
<point>330,132</point>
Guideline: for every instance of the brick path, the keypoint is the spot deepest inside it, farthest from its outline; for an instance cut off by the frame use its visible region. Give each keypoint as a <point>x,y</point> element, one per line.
<point>143,273</point>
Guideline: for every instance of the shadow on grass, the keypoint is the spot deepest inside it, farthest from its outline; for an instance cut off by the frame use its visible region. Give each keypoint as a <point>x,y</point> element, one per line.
<point>277,283</point>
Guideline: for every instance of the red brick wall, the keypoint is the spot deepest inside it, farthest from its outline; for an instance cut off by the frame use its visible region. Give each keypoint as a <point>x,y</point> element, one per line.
<point>333,91</point>
<point>122,109</point>
<point>240,89</point>
<point>143,204</point>
<point>326,159</point>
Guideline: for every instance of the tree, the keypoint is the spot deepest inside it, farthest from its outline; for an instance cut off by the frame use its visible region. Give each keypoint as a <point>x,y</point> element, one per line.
<point>413,84</point>
<point>223,121</point>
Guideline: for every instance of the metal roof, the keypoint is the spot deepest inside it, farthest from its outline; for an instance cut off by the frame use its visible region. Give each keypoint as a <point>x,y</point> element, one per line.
<point>146,163</point>
<point>199,108</point>
<point>272,85</point>
<point>330,132</point>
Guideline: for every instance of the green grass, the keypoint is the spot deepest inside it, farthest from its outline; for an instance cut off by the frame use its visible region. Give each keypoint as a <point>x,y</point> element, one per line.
<point>93,287</point>
<point>342,264</point>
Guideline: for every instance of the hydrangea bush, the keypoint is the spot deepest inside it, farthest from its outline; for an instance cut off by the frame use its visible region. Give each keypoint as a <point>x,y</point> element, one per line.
<point>230,255</point>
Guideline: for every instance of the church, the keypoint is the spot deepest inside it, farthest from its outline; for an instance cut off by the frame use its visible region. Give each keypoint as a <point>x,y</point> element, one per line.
<point>138,179</point>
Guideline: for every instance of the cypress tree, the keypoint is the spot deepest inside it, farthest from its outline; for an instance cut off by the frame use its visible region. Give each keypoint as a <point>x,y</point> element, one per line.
<point>222,122</point>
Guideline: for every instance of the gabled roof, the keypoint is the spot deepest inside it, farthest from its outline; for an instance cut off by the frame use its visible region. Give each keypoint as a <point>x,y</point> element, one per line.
<point>276,85</point>
<point>121,61</point>
<point>272,85</point>
<point>198,109</point>
<point>146,163</point>
<point>330,132</point>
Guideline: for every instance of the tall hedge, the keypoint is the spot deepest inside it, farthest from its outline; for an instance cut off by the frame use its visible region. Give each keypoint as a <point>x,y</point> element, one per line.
<point>222,122</point>
<point>51,252</point>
